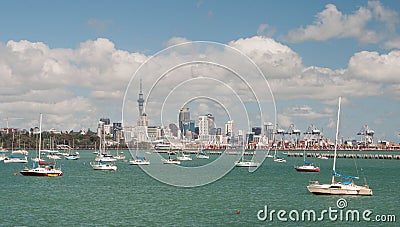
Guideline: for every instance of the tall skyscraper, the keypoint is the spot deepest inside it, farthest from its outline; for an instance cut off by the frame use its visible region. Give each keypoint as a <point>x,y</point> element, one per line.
<point>184,120</point>
<point>140,100</point>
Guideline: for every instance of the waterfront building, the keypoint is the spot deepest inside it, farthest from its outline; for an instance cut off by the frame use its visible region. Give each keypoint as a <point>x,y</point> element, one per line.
<point>203,128</point>
<point>118,133</point>
<point>154,133</point>
<point>229,128</point>
<point>269,131</point>
<point>207,129</point>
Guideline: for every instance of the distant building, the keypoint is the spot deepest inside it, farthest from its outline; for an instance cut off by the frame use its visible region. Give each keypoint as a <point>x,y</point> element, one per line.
<point>118,133</point>
<point>256,130</point>
<point>173,129</point>
<point>229,128</point>
<point>184,120</point>
<point>206,127</point>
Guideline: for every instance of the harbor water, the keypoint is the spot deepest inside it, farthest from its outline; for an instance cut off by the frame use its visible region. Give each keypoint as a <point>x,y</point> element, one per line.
<point>130,197</point>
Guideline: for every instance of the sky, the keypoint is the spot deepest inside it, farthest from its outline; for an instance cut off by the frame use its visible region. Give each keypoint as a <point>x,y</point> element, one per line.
<point>73,61</point>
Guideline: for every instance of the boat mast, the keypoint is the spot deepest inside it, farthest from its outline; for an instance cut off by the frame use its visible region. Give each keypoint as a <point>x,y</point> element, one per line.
<point>336,141</point>
<point>40,134</point>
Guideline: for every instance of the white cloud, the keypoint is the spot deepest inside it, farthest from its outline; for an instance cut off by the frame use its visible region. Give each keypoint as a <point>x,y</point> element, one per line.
<point>265,30</point>
<point>375,67</point>
<point>332,23</point>
<point>72,86</point>
<point>274,59</point>
<point>393,43</point>
<point>75,87</point>
<point>175,41</point>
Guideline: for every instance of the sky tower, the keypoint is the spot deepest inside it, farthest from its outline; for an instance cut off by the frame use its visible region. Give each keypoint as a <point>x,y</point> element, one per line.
<point>140,100</point>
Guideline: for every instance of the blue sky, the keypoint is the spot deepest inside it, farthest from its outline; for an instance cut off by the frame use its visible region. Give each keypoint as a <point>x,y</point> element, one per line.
<point>323,35</point>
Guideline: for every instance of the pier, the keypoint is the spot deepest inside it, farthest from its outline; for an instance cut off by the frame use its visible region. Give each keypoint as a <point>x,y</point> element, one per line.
<point>357,156</point>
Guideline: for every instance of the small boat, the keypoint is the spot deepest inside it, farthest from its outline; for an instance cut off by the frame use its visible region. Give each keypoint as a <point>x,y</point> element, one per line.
<point>278,159</point>
<point>120,156</point>
<point>14,159</point>
<point>105,157</point>
<point>246,163</point>
<point>243,163</point>
<point>72,156</point>
<point>184,157</point>
<point>202,155</point>
<point>347,187</point>
<point>139,161</point>
<point>20,151</point>
<point>100,165</point>
<point>322,157</point>
<point>307,166</point>
<point>43,169</point>
<point>171,161</point>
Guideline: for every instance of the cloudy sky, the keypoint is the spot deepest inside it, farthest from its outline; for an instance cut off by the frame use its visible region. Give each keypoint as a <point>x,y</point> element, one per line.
<point>73,60</point>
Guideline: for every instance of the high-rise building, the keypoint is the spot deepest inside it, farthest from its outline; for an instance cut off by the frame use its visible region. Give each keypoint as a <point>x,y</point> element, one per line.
<point>206,127</point>
<point>184,120</point>
<point>229,128</point>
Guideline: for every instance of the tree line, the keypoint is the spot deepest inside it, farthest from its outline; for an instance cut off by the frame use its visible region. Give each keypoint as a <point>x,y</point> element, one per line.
<point>29,140</point>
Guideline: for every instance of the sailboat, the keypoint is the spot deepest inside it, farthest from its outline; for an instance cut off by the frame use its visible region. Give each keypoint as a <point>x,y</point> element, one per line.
<point>307,166</point>
<point>170,160</point>
<point>43,169</point>
<point>100,165</point>
<point>103,159</point>
<point>184,157</point>
<point>104,155</point>
<point>201,155</point>
<point>347,187</point>
<point>138,160</point>
<point>278,159</point>
<point>246,163</point>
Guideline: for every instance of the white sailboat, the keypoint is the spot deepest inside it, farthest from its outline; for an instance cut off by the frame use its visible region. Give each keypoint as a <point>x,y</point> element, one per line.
<point>246,163</point>
<point>103,154</point>
<point>184,157</point>
<point>43,169</point>
<point>138,160</point>
<point>347,187</point>
<point>171,160</point>
<point>307,166</point>
<point>103,159</point>
<point>100,165</point>
<point>202,155</point>
<point>278,159</point>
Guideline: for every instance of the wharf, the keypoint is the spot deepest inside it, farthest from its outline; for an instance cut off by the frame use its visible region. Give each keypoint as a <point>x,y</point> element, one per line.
<point>357,156</point>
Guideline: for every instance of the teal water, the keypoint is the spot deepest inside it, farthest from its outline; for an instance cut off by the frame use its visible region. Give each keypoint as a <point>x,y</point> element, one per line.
<point>129,197</point>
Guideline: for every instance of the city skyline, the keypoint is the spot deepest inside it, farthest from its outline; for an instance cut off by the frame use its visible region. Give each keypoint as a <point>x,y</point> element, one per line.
<point>75,69</point>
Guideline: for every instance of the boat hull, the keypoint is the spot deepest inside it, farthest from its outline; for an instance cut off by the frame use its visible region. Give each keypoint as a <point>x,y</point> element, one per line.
<point>309,169</point>
<point>96,166</point>
<point>246,164</point>
<point>41,172</point>
<point>139,162</point>
<point>339,189</point>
